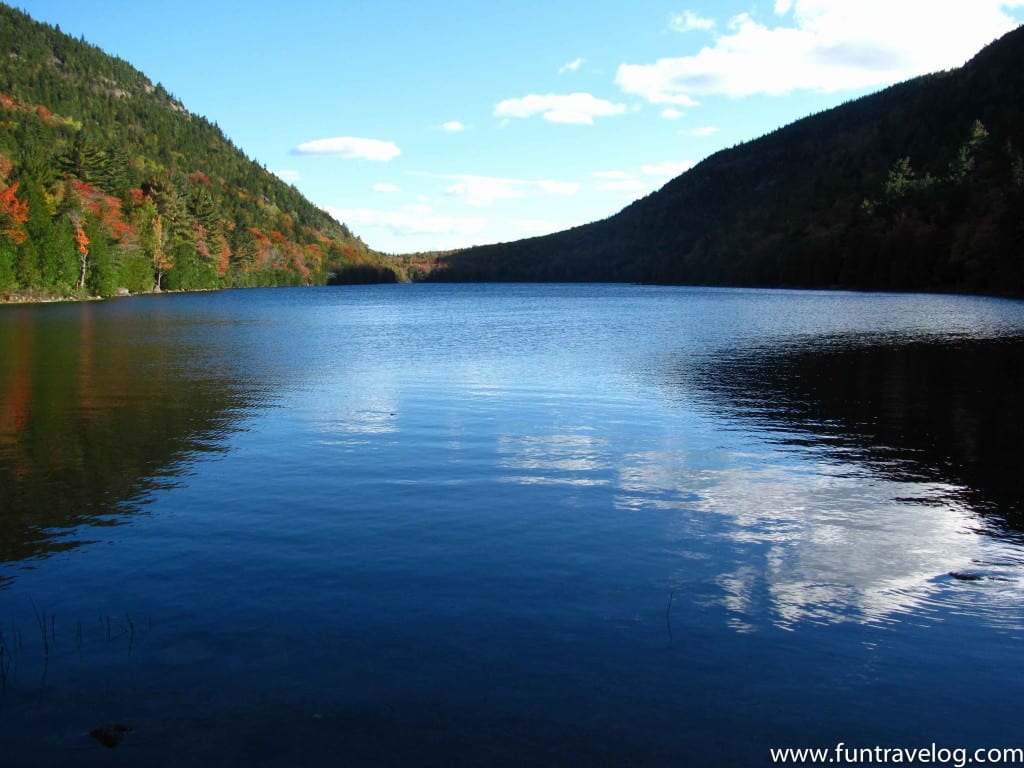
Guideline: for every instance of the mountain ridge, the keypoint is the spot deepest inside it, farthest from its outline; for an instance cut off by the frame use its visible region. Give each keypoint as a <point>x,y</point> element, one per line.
<point>830,200</point>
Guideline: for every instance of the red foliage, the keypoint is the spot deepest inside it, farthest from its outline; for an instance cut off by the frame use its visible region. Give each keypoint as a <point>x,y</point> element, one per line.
<point>104,207</point>
<point>13,213</point>
<point>198,177</point>
<point>199,235</point>
<point>136,196</point>
<point>223,255</point>
<point>264,248</point>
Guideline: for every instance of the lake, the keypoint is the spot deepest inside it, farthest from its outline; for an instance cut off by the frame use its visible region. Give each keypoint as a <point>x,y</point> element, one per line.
<point>509,525</point>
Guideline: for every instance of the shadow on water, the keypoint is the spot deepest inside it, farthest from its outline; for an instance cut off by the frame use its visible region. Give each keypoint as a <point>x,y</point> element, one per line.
<point>97,409</point>
<point>945,411</point>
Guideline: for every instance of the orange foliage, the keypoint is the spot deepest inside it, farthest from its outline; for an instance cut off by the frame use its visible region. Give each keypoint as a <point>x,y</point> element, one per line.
<point>106,208</point>
<point>13,213</point>
<point>264,248</point>
<point>198,177</point>
<point>10,102</point>
<point>223,255</point>
<point>81,240</point>
<point>160,258</point>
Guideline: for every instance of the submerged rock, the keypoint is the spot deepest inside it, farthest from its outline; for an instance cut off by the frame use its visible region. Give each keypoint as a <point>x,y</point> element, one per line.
<point>966,576</point>
<point>111,734</point>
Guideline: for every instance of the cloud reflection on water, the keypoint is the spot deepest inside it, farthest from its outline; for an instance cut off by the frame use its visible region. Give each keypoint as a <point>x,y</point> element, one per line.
<point>577,459</point>
<point>870,481</point>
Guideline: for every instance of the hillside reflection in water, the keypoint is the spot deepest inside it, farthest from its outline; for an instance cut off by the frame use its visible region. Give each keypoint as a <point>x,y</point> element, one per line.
<point>892,485</point>
<point>99,407</point>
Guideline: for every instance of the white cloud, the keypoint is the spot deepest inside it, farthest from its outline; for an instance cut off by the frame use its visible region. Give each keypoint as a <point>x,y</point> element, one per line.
<point>572,66</point>
<point>825,45</point>
<point>384,186</point>
<point>288,174</point>
<point>578,108</point>
<point>453,126</point>
<point>671,113</point>
<point>350,147</point>
<point>687,21</point>
<point>653,82</point>
<point>638,183</point>
<point>409,220</point>
<point>482,191</point>
<point>703,132</point>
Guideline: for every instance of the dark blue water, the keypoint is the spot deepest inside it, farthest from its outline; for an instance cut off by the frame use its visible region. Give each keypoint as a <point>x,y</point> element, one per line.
<point>509,525</point>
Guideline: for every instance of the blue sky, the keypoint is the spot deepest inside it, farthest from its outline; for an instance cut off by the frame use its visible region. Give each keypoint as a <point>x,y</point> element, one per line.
<point>431,125</point>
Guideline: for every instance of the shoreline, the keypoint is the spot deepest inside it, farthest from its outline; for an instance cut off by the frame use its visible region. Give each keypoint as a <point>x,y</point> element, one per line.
<point>22,299</point>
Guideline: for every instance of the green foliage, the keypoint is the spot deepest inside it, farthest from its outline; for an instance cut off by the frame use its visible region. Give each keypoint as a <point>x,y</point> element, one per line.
<point>84,160</point>
<point>87,135</point>
<point>8,259</point>
<point>135,272</point>
<point>102,274</point>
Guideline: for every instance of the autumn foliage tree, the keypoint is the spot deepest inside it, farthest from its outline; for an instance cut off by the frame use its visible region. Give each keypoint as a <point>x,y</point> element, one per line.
<point>82,243</point>
<point>91,150</point>
<point>13,214</point>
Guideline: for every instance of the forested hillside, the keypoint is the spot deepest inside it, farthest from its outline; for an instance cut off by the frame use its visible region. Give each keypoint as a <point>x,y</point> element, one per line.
<point>107,183</point>
<point>920,186</point>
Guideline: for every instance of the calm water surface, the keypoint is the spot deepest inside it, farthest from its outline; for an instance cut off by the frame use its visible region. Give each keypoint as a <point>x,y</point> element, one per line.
<point>507,525</point>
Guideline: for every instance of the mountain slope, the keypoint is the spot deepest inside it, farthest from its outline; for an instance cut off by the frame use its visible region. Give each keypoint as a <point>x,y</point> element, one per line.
<point>107,182</point>
<point>920,186</point>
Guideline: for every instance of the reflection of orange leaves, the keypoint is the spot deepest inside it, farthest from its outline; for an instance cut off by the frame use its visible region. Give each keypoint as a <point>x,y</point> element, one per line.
<point>81,240</point>
<point>16,403</point>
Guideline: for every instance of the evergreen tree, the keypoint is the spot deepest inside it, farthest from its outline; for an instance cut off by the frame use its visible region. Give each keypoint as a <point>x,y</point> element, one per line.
<point>84,160</point>
<point>102,279</point>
